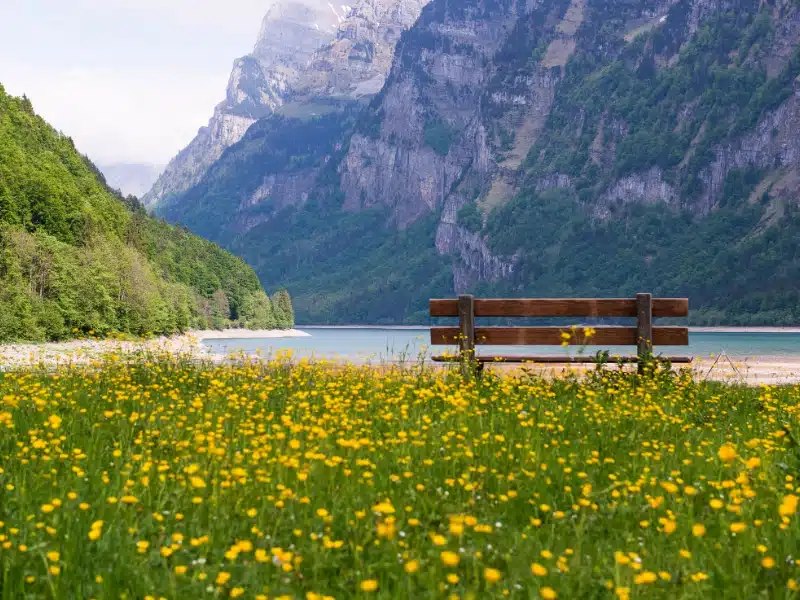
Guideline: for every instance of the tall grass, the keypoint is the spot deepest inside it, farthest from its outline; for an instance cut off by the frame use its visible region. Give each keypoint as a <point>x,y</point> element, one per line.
<point>162,478</point>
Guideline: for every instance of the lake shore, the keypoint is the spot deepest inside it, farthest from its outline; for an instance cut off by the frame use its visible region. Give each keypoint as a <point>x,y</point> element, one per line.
<point>754,370</point>
<point>81,351</point>
<point>246,334</point>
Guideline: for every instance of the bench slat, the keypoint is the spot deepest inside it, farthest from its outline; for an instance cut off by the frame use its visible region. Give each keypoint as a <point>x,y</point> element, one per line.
<point>560,307</point>
<point>551,336</point>
<point>558,359</point>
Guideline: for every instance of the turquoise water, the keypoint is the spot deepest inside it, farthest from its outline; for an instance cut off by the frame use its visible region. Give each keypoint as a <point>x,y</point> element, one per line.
<point>393,344</point>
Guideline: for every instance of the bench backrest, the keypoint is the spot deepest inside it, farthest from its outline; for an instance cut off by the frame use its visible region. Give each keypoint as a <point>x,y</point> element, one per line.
<point>644,335</point>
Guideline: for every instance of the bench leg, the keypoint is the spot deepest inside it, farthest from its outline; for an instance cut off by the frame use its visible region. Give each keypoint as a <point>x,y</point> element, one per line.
<point>470,368</point>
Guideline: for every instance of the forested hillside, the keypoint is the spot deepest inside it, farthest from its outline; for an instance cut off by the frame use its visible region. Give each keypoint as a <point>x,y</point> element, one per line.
<point>566,147</point>
<point>75,258</point>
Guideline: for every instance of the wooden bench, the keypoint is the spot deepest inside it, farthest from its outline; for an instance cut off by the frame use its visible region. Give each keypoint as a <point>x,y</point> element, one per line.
<point>644,335</point>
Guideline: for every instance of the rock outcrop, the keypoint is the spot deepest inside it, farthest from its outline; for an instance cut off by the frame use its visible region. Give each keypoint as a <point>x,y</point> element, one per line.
<point>773,144</point>
<point>305,53</point>
<point>355,64</point>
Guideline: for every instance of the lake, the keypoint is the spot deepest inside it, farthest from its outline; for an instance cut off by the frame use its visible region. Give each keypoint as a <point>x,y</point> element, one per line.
<point>377,344</point>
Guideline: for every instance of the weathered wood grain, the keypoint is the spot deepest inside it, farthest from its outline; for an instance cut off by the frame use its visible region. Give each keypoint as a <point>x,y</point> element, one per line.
<point>560,307</point>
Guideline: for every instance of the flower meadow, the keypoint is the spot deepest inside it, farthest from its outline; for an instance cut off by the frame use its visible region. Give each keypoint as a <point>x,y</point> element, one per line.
<point>163,478</point>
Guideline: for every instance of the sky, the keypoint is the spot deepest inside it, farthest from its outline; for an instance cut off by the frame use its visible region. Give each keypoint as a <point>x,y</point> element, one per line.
<point>128,80</point>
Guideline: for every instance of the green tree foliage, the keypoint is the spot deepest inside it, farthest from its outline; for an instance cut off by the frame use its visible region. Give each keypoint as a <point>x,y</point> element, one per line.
<point>75,257</point>
<point>671,117</point>
<point>16,311</point>
<point>734,268</point>
<point>282,305</point>
<point>469,217</point>
<point>346,267</point>
<point>439,135</point>
<point>257,312</point>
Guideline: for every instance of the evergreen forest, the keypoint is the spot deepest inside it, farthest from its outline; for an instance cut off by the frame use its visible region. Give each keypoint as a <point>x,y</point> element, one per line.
<point>76,258</point>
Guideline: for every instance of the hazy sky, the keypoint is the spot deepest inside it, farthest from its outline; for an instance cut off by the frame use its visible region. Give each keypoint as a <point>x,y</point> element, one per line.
<point>129,80</point>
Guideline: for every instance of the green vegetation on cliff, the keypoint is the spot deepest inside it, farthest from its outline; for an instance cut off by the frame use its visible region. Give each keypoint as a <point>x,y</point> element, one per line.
<point>717,261</point>
<point>349,267</point>
<point>77,258</point>
<point>671,117</point>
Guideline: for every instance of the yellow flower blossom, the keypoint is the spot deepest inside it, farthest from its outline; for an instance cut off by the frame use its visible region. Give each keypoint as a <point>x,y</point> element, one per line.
<point>538,570</point>
<point>548,593</point>
<point>727,453</point>
<point>411,566</point>
<point>450,559</point>
<point>645,577</point>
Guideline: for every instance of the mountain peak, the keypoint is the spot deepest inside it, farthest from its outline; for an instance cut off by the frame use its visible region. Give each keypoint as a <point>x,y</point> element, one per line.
<point>306,51</point>
<point>291,31</point>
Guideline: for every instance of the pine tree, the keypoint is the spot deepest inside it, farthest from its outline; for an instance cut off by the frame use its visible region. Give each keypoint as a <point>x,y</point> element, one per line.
<point>282,306</point>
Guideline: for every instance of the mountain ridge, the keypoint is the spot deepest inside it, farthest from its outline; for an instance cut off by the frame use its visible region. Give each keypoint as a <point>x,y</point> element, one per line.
<point>530,142</point>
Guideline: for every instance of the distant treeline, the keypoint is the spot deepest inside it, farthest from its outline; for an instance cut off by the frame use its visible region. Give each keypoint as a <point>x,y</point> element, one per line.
<point>76,257</point>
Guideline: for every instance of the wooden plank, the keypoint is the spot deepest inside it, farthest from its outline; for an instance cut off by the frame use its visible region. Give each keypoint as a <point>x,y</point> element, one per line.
<point>560,307</point>
<point>644,328</point>
<point>443,307</point>
<point>466,321</point>
<point>551,336</point>
<point>558,359</point>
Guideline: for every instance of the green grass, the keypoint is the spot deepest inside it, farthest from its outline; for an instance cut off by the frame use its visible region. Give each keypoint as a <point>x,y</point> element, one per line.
<point>174,480</point>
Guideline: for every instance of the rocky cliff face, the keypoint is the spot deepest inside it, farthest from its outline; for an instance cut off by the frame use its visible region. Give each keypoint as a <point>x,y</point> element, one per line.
<point>510,133</point>
<point>305,53</point>
<point>355,64</point>
<point>462,114</point>
<point>290,34</point>
<point>773,146</point>
<point>468,97</point>
<point>429,132</point>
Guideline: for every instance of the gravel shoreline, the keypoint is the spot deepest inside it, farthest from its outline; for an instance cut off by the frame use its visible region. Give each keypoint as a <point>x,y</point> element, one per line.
<point>187,345</point>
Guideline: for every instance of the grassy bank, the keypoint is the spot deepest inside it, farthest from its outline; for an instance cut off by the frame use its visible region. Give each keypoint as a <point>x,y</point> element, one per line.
<point>169,479</point>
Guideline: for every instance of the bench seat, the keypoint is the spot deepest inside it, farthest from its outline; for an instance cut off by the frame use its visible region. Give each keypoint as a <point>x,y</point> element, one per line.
<point>558,359</point>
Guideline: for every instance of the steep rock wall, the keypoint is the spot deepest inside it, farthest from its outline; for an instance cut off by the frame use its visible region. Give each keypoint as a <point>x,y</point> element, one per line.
<point>307,52</point>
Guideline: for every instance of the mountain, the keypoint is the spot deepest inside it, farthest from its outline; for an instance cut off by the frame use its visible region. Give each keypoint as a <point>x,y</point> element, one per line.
<point>309,58</point>
<point>76,258</point>
<point>131,179</point>
<point>547,148</point>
